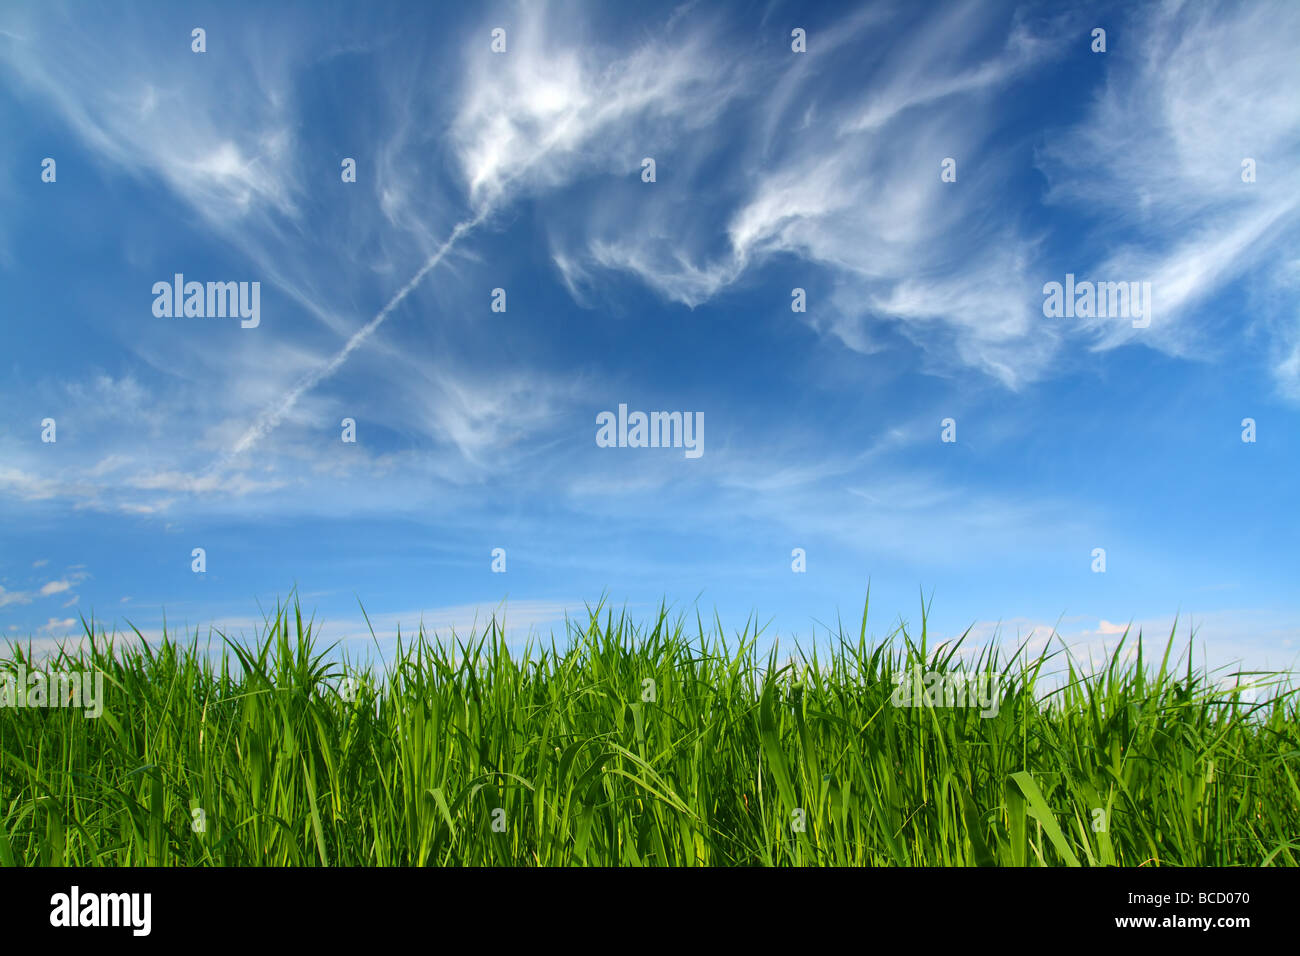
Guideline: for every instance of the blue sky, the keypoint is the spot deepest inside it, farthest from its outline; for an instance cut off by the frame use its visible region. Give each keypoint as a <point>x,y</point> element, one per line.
<point>774,170</point>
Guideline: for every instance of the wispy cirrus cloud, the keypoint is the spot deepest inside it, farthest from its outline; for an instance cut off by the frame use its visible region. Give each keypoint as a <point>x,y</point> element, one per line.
<point>1200,89</point>
<point>853,188</point>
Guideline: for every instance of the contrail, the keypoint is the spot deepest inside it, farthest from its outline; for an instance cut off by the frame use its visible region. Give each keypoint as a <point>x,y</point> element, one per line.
<point>271,418</point>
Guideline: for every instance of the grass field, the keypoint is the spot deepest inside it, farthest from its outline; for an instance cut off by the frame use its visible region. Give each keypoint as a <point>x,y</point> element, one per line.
<point>643,744</point>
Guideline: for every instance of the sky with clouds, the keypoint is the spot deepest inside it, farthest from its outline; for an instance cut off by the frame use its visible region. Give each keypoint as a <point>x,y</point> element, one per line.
<point>774,170</point>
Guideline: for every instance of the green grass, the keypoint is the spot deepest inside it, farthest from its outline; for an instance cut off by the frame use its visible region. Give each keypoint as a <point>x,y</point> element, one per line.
<point>461,753</point>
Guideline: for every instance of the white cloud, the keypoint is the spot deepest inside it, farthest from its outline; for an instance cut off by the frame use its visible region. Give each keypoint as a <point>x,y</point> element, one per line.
<point>14,597</point>
<point>560,103</point>
<point>1158,160</point>
<point>168,123</point>
<point>857,194</point>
